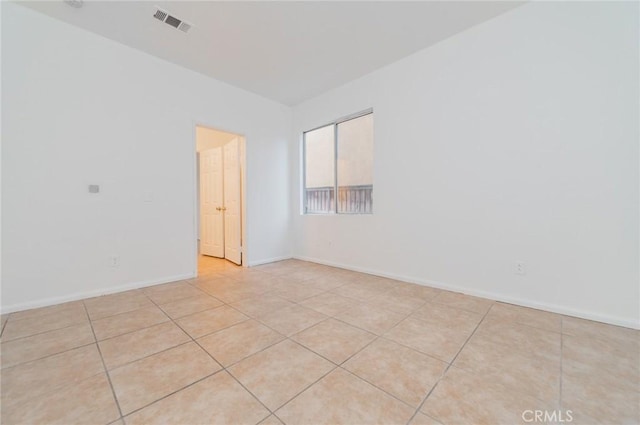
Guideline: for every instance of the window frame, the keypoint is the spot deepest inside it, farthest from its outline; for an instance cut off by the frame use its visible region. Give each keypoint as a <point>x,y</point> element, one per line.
<point>335,124</point>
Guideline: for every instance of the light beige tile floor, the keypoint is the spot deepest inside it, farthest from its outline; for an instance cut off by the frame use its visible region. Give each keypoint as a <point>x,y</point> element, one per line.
<point>294,342</point>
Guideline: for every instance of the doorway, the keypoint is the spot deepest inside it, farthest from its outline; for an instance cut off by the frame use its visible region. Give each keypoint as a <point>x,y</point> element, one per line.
<point>220,187</point>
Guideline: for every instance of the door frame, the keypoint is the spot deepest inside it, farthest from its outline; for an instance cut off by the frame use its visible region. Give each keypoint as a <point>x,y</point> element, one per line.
<point>195,189</point>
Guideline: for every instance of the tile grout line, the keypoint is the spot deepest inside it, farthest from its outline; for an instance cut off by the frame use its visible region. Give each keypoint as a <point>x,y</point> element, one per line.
<point>285,337</point>
<point>514,322</point>
<point>252,394</point>
<point>341,365</point>
<point>172,392</point>
<point>122,312</point>
<point>134,331</point>
<point>219,330</point>
<point>336,366</point>
<point>325,358</point>
<point>237,279</point>
<point>223,368</point>
<point>41,333</point>
<point>295,333</point>
<point>100,352</point>
<point>418,410</point>
<point>173,321</point>
<point>306,387</point>
<point>104,365</point>
<point>165,321</point>
<point>49,355</point>
<point>382,335</point>
<point>36,333</point>
<point>377,387</point>
<point>65,351</point>
<point>4,325</point>
<point>328,317</point>
<point>431,356</point>
<point>275,415</point>
<point>142,292</point>
<point>114,368</point>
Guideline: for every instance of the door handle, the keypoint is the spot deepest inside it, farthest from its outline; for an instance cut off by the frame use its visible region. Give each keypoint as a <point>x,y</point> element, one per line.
<point>218,209</point>
<point>223,208</point>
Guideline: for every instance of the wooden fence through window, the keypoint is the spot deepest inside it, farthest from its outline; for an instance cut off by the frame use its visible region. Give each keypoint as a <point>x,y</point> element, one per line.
<point>351,199</point>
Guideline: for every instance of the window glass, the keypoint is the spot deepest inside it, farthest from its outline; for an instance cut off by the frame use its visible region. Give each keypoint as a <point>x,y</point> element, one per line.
<point>338,167</point>
<point>319,169</point>
<point>355,165</point>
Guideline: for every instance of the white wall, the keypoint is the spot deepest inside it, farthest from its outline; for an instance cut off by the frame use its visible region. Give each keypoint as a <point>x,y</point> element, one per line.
<point>515,140</point>
<point>79,109</point>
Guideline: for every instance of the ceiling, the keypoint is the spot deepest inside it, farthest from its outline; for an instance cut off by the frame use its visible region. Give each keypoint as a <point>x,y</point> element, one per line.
<point>285,51</point>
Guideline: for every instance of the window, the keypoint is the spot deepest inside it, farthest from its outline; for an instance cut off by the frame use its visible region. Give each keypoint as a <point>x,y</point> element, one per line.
<point>338,167</point>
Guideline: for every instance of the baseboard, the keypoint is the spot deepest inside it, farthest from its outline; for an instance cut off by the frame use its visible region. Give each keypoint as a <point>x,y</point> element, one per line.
<point>269,260</point>
<point>553,308</point>
<point>95,293</point>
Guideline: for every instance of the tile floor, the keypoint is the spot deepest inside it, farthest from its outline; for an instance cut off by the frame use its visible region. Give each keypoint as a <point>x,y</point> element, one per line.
<point>299,343</point>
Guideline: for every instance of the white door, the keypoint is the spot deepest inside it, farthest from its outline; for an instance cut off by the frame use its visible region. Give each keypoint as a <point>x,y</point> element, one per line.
<point>211,202</point>
<point>232,195</point>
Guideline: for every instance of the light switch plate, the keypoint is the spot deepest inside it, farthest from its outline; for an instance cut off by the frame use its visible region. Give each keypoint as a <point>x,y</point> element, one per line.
<point>94,188</point>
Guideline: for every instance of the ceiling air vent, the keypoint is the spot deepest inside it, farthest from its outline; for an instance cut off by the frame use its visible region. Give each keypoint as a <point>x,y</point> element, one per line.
<point>184,27</point>
<point>163,15</point>
<point>160,14</point>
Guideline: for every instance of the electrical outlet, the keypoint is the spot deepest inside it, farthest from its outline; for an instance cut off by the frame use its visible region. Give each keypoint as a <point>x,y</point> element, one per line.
<point>520,268</point>
<point>114,261</point>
